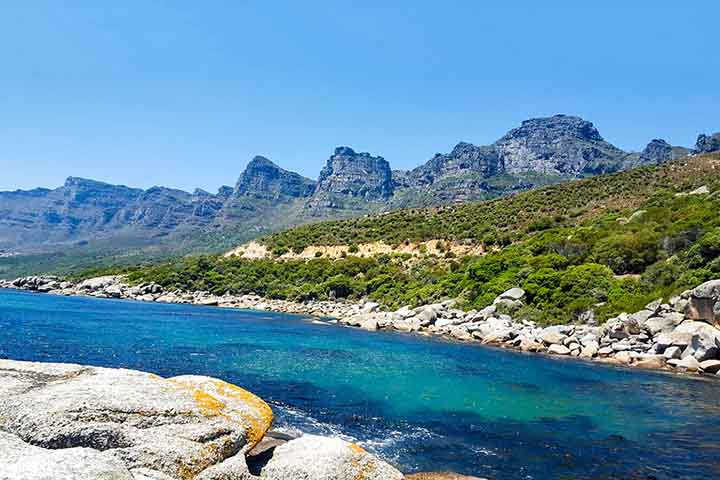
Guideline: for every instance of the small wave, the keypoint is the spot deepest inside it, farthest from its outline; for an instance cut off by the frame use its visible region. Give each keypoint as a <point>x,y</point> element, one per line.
<point>393,443</point>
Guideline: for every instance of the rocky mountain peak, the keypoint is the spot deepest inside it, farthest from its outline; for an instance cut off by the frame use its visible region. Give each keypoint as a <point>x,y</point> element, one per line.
<point>657,151</point>
<point>708,143</point>
<point>561,144</point>
<point>82,183</point>
<point>264,179</point>
<point>356,175</point>
<point>345,152</point>
<point>558,125</point>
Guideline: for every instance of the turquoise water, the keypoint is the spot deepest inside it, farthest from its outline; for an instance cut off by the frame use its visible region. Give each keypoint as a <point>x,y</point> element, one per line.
<point>421,403</point>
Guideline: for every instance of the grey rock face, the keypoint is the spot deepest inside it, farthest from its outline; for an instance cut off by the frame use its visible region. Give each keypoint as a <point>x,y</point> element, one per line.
<point>659,151</point>
<point>350,175</point>
<point>82,209</point>
<point>704,341</point>
<point>263,179</point>
<point>558,145</point>
<point>708,143</point>
<point>465,158</point>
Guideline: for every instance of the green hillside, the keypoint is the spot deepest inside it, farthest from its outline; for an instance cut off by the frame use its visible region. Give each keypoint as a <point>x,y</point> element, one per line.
<point>510,218</point>
<point>607,244</point>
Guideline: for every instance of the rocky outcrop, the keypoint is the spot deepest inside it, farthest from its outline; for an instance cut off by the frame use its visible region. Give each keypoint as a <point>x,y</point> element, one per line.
<point>65,421</point>
<point>704,303</point>
<point>349,176</point>
<point>463,159</point>
<point>560,144</point>
<point>681,335</point>
<point>659,151</point>
<point>263,179</point>
<point>541,150</point>
<point>708,143</point>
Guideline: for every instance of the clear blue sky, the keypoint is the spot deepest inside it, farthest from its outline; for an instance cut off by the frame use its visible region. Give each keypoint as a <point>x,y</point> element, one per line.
<point>184,93</point>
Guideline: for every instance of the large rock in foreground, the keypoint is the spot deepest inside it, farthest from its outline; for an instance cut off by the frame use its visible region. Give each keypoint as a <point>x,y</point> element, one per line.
<point>176,427</point>
<point>64,421</point>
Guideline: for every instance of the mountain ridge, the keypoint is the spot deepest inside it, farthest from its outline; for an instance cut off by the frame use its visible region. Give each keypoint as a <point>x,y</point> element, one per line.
<point>268,198</point>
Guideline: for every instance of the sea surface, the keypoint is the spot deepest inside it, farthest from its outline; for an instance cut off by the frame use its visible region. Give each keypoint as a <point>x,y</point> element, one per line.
<point>420,403</point>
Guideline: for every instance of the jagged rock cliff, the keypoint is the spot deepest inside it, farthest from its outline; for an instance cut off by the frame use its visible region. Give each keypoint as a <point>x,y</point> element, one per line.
<point>708,143</point>
<point>561,144</point>
<point>659,151</point>
<point>464,158</point>
<point>349,176</point>
<point>541,150</point>
<point>263,179</point>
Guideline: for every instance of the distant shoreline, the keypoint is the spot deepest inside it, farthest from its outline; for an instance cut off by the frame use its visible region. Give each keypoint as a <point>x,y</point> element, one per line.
<point>582,342</point>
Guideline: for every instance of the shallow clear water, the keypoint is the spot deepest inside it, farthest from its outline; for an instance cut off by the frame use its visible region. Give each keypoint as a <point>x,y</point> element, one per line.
<point>422,404</point>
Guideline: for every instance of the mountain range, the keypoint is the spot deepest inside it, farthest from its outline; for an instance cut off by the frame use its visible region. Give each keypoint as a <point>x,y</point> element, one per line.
<point>98,219</point>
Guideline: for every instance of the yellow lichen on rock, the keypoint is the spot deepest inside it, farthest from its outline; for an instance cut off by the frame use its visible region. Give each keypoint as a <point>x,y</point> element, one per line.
<point>257,427</point>
<point>357,448</point>
<point>208,405</point>
<point>362,462</point>
<point>217,397</point>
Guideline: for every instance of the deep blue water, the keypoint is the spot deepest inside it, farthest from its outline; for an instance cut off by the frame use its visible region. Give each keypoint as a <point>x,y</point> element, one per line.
<point>421,403</point>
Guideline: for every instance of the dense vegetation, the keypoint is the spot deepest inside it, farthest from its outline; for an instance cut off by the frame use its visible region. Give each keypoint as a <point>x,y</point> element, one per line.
<point>623,244</point>
<point>509,219</point>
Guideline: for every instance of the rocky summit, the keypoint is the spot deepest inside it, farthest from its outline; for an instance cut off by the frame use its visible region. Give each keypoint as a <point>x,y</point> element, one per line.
<point>74,422</point>
<point>659,151</point>
<point>263,179</point>
<point>708,143</point>
<point>558,145</point>
<point>89,221</point>
<point>351,176</point>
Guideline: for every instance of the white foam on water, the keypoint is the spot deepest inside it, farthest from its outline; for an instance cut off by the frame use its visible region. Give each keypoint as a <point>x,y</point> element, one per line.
<point>388,444</point>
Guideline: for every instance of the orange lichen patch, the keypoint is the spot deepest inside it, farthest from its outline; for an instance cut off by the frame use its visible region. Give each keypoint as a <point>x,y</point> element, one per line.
<point>260,417</point>
<point>208,405</point>
<point>357,448</point>
<point>362,463</point>
<point>218,398</point>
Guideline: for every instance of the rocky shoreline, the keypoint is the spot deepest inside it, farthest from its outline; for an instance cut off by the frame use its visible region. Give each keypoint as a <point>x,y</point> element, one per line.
<point>682,335</point>
<point>67,421</point>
